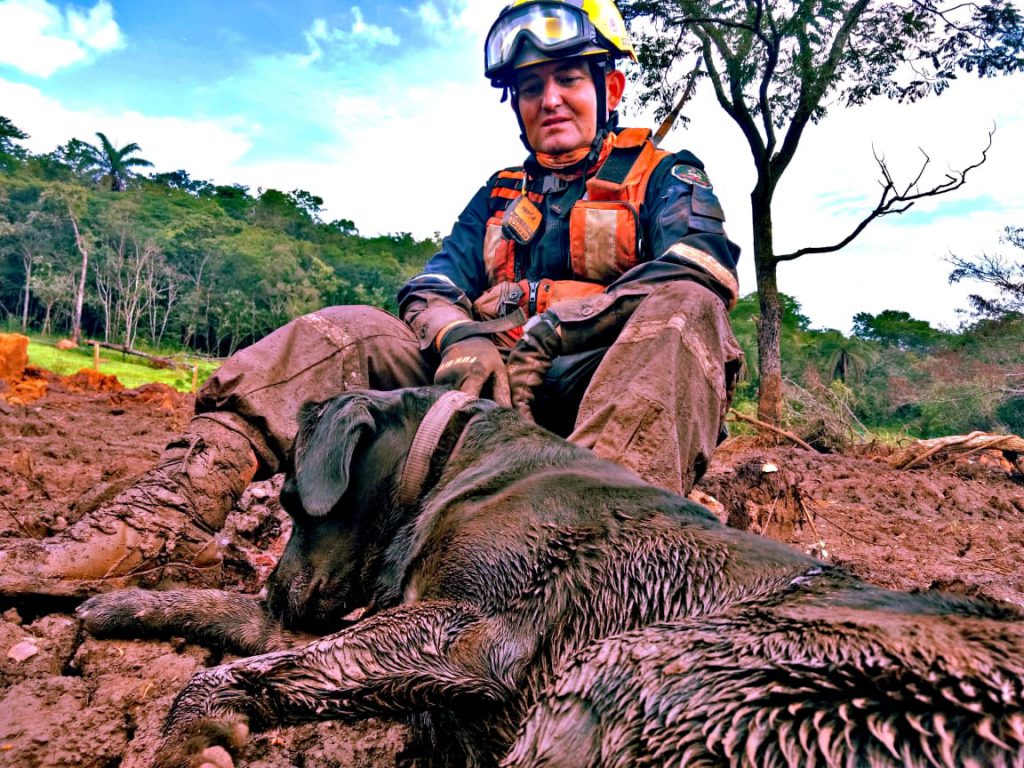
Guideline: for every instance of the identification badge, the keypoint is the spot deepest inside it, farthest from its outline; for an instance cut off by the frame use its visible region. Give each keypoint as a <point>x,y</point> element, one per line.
<point>691,175</point>
<point>521,221</point>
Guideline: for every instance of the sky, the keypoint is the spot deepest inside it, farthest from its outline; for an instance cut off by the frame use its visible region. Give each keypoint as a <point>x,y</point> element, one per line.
<point>381,109</point>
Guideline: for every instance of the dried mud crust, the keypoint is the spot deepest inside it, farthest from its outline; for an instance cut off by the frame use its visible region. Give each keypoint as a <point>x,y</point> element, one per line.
<point>67,699</point>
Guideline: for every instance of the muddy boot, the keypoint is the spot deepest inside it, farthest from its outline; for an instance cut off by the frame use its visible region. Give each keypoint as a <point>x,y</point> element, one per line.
<point>161,526</point>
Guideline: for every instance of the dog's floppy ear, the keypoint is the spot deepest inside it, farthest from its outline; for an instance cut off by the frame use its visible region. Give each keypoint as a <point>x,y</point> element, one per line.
<point>327,440</point>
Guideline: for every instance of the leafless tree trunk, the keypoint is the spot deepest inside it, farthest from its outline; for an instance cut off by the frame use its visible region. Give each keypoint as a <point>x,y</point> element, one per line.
<point>132,286</point>
<point>28,260</point>
<point>105,291</point>
<point>163,283</point>
<point>76,317</point>
<point>195,274</point>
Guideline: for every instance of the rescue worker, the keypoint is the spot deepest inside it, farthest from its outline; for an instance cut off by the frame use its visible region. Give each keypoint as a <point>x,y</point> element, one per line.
<point>588,288</point>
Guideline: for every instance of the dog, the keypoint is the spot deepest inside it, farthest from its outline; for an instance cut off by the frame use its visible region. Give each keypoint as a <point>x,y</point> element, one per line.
<point>540,606</point>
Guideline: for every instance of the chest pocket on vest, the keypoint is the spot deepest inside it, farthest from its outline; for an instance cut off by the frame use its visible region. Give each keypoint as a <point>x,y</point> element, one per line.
<point>602,239</point>
<point>499,253</point>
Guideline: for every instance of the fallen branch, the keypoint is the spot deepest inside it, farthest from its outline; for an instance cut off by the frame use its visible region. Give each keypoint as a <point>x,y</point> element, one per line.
<point>808,516</point>
<point>770,428</point>
<point>965,444</point>
<point>163,362</point>
<point>17,521</point>
<point>851,534</point>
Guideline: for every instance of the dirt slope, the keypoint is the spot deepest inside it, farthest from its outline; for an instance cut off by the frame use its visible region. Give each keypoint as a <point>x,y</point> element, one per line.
<point>68,699</point>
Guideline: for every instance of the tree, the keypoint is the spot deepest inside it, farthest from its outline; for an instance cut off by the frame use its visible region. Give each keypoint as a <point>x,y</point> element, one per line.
<point>52,289</point>
<point>73,199</point>
<point>180,179</point>
<point>843,359</point>
<point>35,241</point>
<point>76,155</point>
<point>126,274</point>
<point>111,166</point>
<point>31,229</point>
<point>9,150</point>
<point>775,67</point>
<point>305,201</point>
<point>344,226</point>
<point>894,328</point>
<point>1003,274</point>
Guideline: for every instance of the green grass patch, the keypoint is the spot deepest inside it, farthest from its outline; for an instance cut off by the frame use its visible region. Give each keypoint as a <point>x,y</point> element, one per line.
<point>130,371</point>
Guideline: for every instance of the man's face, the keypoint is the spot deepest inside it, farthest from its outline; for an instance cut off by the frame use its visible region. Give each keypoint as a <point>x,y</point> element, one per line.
<point>558,105</point>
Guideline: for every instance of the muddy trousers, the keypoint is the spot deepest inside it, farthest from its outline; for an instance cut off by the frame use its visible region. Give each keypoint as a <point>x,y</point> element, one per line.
<point>654,402</point>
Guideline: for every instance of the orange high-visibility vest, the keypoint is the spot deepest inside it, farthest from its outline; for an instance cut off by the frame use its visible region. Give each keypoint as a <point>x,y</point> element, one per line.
<point>604,236</point>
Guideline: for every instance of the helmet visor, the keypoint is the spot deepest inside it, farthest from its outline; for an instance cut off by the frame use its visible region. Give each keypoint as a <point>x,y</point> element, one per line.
<point>550,28</point>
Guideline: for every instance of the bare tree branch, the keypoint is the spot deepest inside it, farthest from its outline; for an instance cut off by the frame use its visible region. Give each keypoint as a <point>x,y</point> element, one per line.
<point>894,201</point>
<point>942,14</point>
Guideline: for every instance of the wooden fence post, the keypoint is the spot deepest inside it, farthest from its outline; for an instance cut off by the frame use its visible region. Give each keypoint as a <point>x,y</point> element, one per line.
<point>95,356</point>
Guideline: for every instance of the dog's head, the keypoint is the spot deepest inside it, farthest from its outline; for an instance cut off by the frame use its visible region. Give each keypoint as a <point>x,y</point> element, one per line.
<point>341,495</point>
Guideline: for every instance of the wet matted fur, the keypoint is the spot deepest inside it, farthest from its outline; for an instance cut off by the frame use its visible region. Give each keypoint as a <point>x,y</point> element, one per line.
<point>539,606</point>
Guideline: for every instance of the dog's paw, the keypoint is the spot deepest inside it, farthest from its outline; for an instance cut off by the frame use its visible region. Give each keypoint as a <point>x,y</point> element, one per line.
<point>126,611</point>
<point>205,743</point>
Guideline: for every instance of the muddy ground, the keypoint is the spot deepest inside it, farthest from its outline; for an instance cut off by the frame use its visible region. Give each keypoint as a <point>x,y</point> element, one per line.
<point>67,699</point>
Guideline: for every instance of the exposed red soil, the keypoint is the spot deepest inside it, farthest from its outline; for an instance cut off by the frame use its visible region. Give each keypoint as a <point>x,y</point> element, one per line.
<point>69,699</point>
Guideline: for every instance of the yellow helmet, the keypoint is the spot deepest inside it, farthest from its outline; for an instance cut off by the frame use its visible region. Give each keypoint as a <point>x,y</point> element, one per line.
<point>531,32</point>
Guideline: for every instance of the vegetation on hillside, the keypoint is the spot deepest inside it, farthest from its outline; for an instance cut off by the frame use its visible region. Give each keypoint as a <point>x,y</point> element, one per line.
<point>893,373</point>
<point>168,261</point>
<point>179,264</point>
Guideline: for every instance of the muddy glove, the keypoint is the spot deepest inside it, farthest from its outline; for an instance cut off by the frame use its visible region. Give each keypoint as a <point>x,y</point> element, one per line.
<point>474,366</point>
<point>531,359</point>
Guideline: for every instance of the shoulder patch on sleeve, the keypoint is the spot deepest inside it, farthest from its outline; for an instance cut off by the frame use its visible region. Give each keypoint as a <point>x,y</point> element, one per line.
<point>691,175</point>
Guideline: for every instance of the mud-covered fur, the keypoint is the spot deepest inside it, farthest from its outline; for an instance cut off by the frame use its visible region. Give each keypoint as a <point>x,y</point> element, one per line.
<point>546,606</point>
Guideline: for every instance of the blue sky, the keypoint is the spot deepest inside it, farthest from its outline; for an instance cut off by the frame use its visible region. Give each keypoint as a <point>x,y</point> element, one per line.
<point>382,109</point>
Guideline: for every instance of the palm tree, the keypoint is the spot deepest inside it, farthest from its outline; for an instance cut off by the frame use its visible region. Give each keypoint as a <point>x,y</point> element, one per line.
<point>846,359</point>
<point>108,164</point>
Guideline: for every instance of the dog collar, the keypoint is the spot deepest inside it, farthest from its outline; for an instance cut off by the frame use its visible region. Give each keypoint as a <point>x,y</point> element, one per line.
<point>417,463</point>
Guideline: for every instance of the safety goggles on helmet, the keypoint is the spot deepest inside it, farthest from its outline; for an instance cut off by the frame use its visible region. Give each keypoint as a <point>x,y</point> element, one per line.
<point>555,30</point>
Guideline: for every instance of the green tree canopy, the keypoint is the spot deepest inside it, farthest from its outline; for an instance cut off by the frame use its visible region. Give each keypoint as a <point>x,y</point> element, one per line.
<point>10,134</point>
<point>180,179</point>
<point>896,328</point>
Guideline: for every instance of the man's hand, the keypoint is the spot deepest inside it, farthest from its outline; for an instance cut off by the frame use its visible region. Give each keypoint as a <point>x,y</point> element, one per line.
<point>471,365</point>
<point>531,359</point>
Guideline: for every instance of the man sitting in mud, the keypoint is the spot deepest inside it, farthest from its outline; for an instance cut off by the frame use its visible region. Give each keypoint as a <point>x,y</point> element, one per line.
<point>588,288</point>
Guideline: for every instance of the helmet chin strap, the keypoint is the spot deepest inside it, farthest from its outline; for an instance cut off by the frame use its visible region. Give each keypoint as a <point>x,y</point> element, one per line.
<point>606,122</point>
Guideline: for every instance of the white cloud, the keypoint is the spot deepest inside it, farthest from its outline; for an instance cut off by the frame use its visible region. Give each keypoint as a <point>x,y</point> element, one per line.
<point>360,33</point>
<point>38,39</point>
<point>371,33</point>
<point>477,15</point>
<point>206,148</point>
<point>96,29</point>
<point>429,15</point>
<point>442,142</point>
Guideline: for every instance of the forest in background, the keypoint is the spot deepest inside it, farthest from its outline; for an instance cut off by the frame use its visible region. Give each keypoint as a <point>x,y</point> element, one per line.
<point>174,263</point>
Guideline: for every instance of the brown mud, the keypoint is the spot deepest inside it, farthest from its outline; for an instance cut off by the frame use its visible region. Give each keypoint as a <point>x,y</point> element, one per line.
<point>67,699</point>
